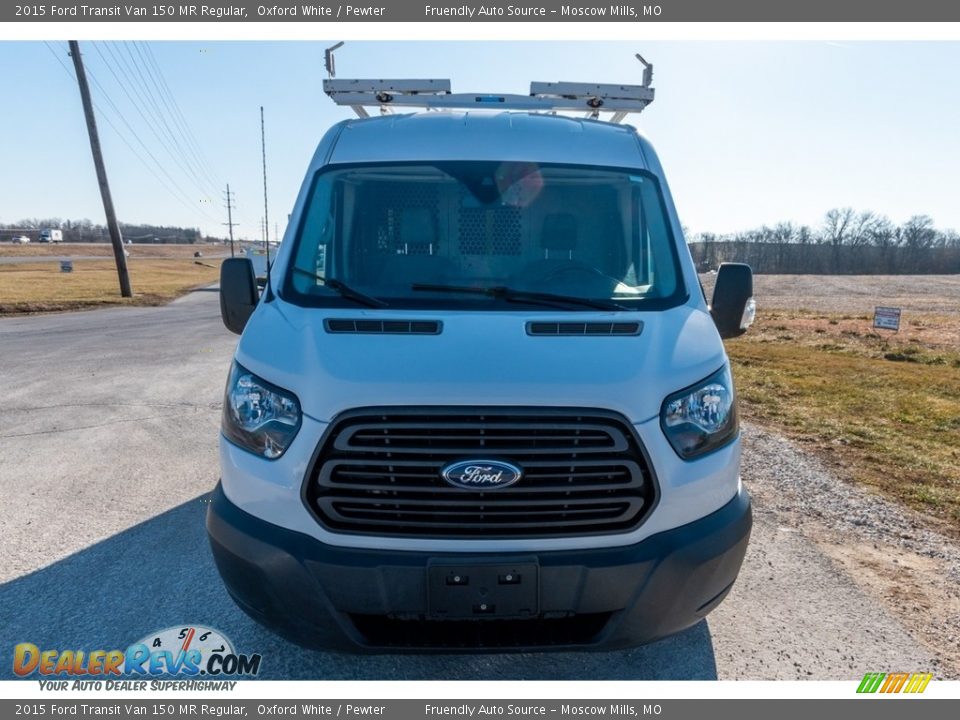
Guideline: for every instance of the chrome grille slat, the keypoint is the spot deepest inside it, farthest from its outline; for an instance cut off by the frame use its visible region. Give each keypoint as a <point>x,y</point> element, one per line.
<point>481,507</point>
<point>413,490</point>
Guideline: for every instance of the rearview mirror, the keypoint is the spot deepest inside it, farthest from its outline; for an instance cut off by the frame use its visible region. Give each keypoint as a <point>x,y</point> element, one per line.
<point>238,292</point>
<point>733,307</point>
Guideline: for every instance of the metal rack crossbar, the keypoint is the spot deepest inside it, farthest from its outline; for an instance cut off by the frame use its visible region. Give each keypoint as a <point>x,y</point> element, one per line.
<point>546,97</point>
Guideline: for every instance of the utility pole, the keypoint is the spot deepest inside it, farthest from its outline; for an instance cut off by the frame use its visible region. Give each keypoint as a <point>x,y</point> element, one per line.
<point>230,223</point>
<point>118,252</point>
<point>266,215</point>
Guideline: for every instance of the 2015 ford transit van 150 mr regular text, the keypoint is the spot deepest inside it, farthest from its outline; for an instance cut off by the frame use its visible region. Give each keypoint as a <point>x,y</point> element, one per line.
<point>481,402</point>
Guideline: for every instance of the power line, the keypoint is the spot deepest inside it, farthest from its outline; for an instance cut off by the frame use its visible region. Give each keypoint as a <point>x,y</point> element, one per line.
<point>205,163</point>
<point>167,106</point>
<point>165,112</point>
<point>183,198</point>
<point>161,115</point>
<point>136,103</point>
<point>137,137</point>
<point>139,104</point>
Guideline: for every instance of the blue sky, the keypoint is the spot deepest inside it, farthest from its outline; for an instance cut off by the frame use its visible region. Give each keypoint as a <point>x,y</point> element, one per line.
<point>748,132</point>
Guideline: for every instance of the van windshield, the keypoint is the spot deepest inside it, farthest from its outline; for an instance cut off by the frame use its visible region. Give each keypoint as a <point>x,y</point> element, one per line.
<point>411,234</point>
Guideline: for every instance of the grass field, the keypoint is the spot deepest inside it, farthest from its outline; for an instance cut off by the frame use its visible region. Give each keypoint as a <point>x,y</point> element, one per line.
<point>41,287</point>
<point>106,250</point>
<point>883,406</point>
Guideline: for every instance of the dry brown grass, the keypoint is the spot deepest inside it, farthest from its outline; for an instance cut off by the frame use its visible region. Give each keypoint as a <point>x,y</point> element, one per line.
<point>41,287</point>
<point>855,294</point>
<point>885,407</point>
<point>106,250</point>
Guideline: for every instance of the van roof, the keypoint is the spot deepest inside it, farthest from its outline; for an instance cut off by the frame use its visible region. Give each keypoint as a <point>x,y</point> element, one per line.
<point>485,135</point>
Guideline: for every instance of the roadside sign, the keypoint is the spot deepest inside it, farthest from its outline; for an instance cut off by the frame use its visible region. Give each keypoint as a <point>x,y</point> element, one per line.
<point>66,266</point>
<point>887,318</point>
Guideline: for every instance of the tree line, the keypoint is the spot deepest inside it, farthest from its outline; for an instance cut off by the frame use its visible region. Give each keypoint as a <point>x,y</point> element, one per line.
<point>847,242</point>
<point>82,231</point>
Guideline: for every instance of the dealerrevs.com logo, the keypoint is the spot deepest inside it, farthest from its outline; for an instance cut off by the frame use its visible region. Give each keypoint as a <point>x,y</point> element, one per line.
<point>185,651</point>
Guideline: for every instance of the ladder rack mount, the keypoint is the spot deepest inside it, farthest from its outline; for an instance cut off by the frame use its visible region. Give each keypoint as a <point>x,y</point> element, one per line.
<point>545,97</point>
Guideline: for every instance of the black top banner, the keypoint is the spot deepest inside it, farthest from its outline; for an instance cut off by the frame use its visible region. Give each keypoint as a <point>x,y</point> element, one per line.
<point>518,11</point>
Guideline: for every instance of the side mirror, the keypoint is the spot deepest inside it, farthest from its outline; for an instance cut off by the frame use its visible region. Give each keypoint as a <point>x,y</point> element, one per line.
<point>733,307</point>
<point>238,292</point>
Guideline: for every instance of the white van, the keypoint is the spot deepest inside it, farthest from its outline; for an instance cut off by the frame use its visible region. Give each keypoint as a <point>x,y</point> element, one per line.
<point>482,402</point>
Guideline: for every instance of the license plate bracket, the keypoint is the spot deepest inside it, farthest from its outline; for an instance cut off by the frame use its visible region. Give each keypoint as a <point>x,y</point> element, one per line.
<point>462,589</point>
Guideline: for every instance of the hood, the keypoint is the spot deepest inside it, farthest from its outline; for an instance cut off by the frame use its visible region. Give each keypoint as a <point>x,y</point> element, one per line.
<point>479,358</point>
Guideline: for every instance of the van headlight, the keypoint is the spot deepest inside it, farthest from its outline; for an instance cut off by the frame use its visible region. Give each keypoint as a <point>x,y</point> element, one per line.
<point>702,417</point>
<point>258,416</point>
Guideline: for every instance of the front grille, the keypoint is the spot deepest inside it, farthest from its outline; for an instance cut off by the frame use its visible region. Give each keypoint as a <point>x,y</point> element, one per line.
<point>379,473</point>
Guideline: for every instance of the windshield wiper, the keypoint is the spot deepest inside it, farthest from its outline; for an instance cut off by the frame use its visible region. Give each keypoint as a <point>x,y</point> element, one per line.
<point>344,290</point>
<point>511,295</point>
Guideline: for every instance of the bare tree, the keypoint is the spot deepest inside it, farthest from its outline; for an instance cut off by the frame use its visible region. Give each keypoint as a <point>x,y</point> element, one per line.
<point>918,232</point>
<point>862,227</point>
<point>951,239</point>
<point>836,225</point>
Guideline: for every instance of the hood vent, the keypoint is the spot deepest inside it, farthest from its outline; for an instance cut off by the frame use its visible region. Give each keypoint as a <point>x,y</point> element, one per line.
<point>384,327</point>
<point>584,328</point>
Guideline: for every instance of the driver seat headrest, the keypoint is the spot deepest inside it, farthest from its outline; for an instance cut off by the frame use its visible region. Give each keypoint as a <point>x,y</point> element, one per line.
<point>559,233</point>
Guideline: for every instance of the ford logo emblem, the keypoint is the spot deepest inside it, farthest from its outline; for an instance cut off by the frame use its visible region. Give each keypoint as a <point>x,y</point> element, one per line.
<point>481,474</point>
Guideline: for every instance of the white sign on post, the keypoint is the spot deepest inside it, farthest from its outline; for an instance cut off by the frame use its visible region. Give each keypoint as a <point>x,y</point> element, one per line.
<point>887,318</point>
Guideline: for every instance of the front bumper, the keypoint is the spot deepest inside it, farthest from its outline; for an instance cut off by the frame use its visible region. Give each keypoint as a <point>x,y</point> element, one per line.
<point>324,596</point>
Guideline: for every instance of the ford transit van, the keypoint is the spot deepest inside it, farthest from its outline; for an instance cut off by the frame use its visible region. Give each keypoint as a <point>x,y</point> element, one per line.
<point>482,402</point>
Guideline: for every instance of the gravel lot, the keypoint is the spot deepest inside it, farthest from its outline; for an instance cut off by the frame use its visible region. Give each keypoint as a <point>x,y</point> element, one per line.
<point>890,553</point>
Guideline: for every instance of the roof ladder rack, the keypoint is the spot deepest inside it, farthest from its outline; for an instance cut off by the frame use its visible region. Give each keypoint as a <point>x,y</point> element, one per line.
<point>546,97</point>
